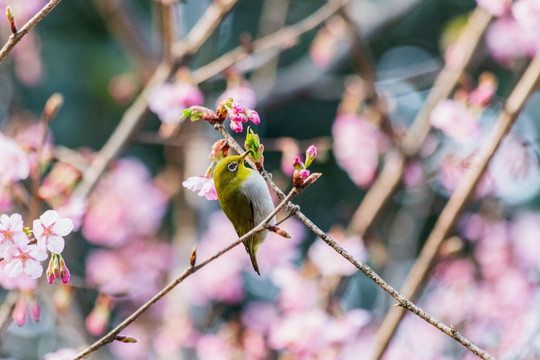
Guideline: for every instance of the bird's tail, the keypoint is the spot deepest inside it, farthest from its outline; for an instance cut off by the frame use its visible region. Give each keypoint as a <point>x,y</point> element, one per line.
<point>251,248</point>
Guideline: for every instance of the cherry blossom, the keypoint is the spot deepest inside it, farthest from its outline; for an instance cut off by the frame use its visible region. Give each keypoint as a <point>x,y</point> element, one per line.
<point>50,230</point>
<point>61,354</point>
<point>168,100</point>
<point>496,7</point>
<point>25,258</point>
<point>455,121</point>
<point>11,232</point>
<point>14,164</point>
<point>356,148</point>
<point>126,204</point>
<point>204,185</point>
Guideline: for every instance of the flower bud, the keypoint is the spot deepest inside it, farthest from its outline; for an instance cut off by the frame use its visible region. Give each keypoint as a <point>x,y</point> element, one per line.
<point>35,310</point>
<point>220,150</point>
<point>125,339</point>
<point>311,154</point>
<point>298,164</point>
<point>236,126</point>
<point>64,271</point>
<point>253,116</point>
<point>11,20</point>
<point>193,257</point>
<point>19,311</point>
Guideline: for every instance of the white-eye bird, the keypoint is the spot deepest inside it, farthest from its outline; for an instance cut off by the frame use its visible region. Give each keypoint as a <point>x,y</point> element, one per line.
<point>245,199</point>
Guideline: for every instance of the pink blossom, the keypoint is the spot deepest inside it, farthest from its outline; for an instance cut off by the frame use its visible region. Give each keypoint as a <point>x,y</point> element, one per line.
<point>75,210</point>
<point>168,100</point>
<point>236,126</point>
<point>19,311</point>
<point>297,293</point>
<point>289,149</point>
<point>329,262</point>
<point>25,258</point>
<point>35,310</point>
<point>134,271</point>
<point>50,230</point>
<point>452,170</point>
<point>213,347</point>
<point>525,230</point>
<point>455,121</point>
<point>484,91</point>
<point>527,13</point>
<point>61,354</point>
<point>493,251</point>
<point>11,232</point>
<point>303,174</point>
<point>259,316</point>
<point>28,62</point>
<point>301,333</point>
<point>508,41</point>
<point>252,116</point>
<point>14,164</point>
<point>125,204</point>
<point>356,148</point>
<point>205,186</point>
<point>495,7</point>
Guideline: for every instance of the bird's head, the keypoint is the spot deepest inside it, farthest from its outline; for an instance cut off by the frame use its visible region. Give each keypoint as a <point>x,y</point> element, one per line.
<point>231,171</point>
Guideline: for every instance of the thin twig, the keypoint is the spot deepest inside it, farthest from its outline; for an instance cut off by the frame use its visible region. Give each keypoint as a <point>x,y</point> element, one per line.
<point>404,302</point>
<point>445,223</point>
<point>15,38</point>
<point>275,40</point>
<point>388,181</point>
<point>111,336</point>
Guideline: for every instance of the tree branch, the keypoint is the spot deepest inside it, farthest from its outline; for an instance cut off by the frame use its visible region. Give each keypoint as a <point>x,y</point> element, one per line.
<point>413,284</point>
<point>15,38</point>
<point>403,301</point>
<point>388,181</point>
<point>111,336</point>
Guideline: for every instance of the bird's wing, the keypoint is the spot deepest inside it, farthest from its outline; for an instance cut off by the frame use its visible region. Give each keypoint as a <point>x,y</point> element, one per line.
<point>242,211</point>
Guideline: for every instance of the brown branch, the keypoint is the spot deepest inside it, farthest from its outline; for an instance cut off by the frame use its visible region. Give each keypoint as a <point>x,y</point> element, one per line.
<point>404,302</point>
<point>111,336</point>
<point>137,111</point>
<point>15,38</point>
<point>388,181</point>
<point>445,223</point>
<point>275,40</point>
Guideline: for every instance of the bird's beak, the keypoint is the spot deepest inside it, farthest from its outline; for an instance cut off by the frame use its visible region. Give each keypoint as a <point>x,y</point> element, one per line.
<point>244,155</point>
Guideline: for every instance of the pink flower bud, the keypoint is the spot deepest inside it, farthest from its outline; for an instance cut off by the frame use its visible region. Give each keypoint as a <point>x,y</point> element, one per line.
<point>64,271</point>
<point>236,126</point>
<point>19,311</point>
<point>311,154</point>
<point>220,149</point>
<point>35,310</point>
<point>253,116</point>
<point>304,173</point>
<point>297,163</point>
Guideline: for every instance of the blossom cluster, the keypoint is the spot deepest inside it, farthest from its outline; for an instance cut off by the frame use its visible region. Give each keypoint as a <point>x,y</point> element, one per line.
<point>22,255</point>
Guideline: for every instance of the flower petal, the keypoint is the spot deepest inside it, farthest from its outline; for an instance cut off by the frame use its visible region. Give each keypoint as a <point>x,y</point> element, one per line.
<point>13,268</point>
<point>49,217</point>
<point>63,227</point>
<point>194,183</point>
<point>55,244</point>
<point>37,229</point>
<point>33,268</point>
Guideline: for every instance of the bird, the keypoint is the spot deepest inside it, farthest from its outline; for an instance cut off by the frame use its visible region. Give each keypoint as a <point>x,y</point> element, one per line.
<point>245,200</point>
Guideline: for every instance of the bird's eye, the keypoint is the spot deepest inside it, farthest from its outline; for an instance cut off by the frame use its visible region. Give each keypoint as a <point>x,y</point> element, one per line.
<point>233,166</point>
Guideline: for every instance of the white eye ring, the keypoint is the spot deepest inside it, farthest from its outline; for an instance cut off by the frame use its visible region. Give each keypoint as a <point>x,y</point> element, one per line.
<point>232,166</point>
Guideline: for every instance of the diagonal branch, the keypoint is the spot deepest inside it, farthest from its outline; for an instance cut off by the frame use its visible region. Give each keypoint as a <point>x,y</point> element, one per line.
<point>445,223</point>
<point>15,38</point>
<point>388,181</point>
<point>404,302</point>
<point>111,336</point>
